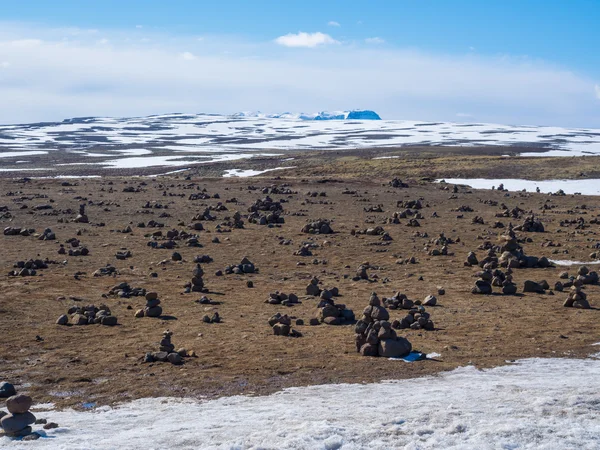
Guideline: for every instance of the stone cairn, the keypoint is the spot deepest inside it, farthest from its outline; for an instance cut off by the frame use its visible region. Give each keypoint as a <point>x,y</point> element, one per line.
<point>47,235</point>
<point>197,283</point>
<point>282,326</point>
<point>577,298</point>
<point>166,351</point>
<point>416,318</point>
<point>27,268</point>
<point>81,217</point>
<point>279,298</point>
<point>245,266</point>
<point>124,290</point>
<point>319,226</point>
<point>330,313</point>
<point>494,277</point>
<point>586,277</point>
<point>396,183</point>
<point>374,333</point>
<point>513,255</point>
<point>152,308</point>
<point>531,224</point>
<point>88,315</point>
<point>18,421</point>
<point>266,212</point>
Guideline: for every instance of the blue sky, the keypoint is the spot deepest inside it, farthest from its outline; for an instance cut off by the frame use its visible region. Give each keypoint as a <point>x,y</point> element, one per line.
<point>496,61</point>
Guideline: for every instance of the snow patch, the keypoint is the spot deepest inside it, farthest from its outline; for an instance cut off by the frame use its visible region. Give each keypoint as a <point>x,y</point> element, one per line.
<point>584,187</point>
<point>532,404</point>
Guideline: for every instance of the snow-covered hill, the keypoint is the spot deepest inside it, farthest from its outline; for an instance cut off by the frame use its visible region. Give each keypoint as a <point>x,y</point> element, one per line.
<point>356,114</point>
<point>186,139</point>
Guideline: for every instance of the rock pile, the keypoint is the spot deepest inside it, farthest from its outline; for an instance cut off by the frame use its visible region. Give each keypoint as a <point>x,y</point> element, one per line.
<point>330,313</point>
<point>47,235</point>
<point>152,308</point>
<point>586,277</point>
<point>245,266</point>
<point>87,315</point>
<point>531,224</point>
<point>279,298</point>
<point>314,290</point>
<point>577,298</point>
<point>27,268</point>
<point>18,421</point>
<point>319,226</point>
<point>15,231</point>
<point>272,218</point>
<point>513,255</point>
<point>396,183</point>
<point>124,290</point>
<point>166,351</point>
<point>375,335</point>
<point>197,283</point>
<point>282,326</point>
<point>81,217</point>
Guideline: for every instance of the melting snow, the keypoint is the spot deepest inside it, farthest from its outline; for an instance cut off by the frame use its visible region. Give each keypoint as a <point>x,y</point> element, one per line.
<point>585,187</point>
<point>531,404</point>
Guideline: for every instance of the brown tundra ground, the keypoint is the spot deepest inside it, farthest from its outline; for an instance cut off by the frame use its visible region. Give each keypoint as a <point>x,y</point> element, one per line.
<point>70,365</point>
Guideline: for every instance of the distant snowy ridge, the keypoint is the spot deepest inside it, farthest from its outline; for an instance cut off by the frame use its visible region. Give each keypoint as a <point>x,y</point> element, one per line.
<point>355,114</point>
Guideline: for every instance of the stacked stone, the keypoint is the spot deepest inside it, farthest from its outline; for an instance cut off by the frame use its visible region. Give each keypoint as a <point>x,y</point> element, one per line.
<point>265,204</point>
<point>319,226</point>
<point>513,255</point>
<point>204,215</point>
<point>47,235</point>
<point>531,224</point>
<point>396,183</point>
<point>471,260</point>
<point>375,336</point>
<point>272,218</point>
<point>88,315</point>
<point>577,298</point>
<point>282,326</point>
<point>245,266</point>
<point>237,220</point>
<point>416,319</point>
<point>81,217</point>
<point>586,277</point>
<point>304,250</point>
<point>279,298</point>
<point>152,308</point>
<point>330,313</point>
<point>124,290</point>
<point>18,421</point>
<point>484,283</point>
<point>314,290</point>
<point>197,283</point>
<point>166,351</point>
<point>27,268</point>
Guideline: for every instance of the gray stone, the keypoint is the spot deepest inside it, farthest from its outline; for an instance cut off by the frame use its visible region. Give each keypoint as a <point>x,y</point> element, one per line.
<point>394,348</point>
<point>13,423</point>
<point>7,390</point>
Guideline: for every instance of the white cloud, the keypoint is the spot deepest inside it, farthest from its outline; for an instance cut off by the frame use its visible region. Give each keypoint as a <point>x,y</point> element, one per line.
<point>4,64</point>
<point>333,23</point>
<point>49,79</point>
<point>375,40</point>
<point>188,56</point>
<point>303,39</point>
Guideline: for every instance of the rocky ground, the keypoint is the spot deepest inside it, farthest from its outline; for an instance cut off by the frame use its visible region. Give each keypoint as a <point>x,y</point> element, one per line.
<point>239,353</point>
